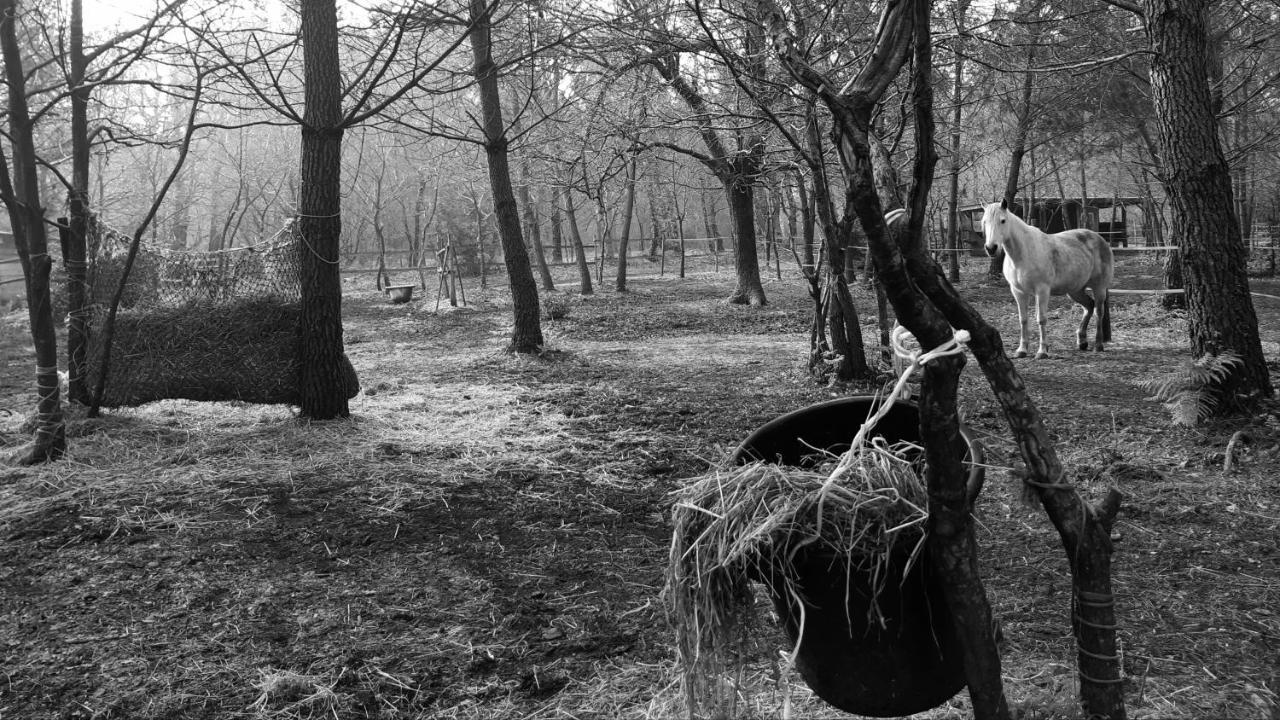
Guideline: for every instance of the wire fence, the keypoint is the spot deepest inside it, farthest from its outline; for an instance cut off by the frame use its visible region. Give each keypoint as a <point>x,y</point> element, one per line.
<point>11,279</point>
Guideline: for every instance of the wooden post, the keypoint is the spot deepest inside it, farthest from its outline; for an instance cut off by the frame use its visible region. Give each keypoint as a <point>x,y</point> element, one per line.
<point>457,274</point>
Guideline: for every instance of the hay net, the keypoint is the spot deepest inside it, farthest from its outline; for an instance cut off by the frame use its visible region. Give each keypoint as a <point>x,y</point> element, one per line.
<point>164,278</point>
<point>216,325</point>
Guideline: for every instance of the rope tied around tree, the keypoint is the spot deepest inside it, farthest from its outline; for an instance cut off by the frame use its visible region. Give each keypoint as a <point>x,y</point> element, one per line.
<point>898,341</point>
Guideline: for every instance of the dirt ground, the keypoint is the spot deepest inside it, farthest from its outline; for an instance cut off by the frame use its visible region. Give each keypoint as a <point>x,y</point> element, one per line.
<point>486,536</point>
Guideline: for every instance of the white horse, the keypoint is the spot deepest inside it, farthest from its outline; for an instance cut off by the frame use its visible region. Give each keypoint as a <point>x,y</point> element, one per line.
<point>1039,265</point>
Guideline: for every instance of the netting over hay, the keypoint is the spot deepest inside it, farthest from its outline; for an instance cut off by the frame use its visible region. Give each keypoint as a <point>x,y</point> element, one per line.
<point>749,522</point>
<point>198,325</point>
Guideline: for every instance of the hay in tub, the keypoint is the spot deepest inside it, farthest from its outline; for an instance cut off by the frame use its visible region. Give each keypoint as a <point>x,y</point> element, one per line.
<point>750,522</point>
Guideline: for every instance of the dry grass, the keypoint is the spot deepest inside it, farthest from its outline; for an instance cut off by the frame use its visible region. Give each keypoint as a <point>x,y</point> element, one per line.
<point>744,523</point>
<point>487,536</point>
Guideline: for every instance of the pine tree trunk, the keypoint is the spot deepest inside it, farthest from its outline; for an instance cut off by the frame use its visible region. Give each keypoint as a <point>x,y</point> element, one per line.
<point>1198,180</point>
<point>324,369</point>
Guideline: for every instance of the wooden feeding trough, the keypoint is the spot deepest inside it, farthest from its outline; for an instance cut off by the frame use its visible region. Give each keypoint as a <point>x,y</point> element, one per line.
<point>400,294</point>
<point>910,662</point>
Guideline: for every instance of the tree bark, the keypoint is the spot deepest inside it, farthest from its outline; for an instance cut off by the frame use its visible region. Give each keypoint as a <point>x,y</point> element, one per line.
<point>808,223</point>
<point>740,192</point>
<point>953,176</point>
<point>843,329</point>
<point>530,210</point>
<point>628,212</point>
<point>73,253</point>
<point>557,229</point>
<point>324,370</point>
<point>575,236</point>
<point>526,333</point>
<point>1197,178</point>
<point>715,243</point>
<point>737,172</point>
<point>21,195</point>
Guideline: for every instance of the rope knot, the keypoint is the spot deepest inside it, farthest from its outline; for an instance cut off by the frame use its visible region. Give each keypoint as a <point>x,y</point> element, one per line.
<point>900,335</point>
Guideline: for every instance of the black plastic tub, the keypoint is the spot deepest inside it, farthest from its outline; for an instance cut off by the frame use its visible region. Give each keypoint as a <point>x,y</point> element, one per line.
<point>911,664</point>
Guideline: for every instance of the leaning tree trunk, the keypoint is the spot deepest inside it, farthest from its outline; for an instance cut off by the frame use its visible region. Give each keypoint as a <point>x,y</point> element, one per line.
<point>1210,246</point>
<point>22,198</point>
<point>579,250</point>
<point>526,334</point>
<point>322,375</point>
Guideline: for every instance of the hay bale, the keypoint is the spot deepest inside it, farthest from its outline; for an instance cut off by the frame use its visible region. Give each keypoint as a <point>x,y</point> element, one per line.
<point>245,351</point>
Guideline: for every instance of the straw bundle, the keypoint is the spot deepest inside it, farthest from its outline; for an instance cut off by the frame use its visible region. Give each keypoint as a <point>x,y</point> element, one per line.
<point>245,350</point>
<point>751,522</point>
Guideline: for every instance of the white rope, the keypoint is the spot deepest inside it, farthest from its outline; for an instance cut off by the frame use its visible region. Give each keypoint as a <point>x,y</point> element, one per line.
<point>264,245</point>
<point>898,341</point>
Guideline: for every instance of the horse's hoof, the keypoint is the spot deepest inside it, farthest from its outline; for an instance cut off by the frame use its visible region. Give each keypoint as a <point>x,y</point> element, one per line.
<point>1020,354</point>
<point>1042,355</point>
<point>1084,346</point>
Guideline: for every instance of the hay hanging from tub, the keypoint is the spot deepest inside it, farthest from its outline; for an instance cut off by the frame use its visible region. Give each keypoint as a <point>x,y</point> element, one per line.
<point>746,523</point>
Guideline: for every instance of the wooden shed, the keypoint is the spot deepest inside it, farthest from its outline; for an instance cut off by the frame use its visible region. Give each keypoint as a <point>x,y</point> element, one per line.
<point>11,284</point>
<point>1109,216</point>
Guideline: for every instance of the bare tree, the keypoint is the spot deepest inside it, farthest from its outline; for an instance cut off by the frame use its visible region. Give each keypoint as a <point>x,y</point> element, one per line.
<point>389,67</point>
<point>734,147</point>
<point>21,195</point>
<point>929,307</point>
<point>526,334</point>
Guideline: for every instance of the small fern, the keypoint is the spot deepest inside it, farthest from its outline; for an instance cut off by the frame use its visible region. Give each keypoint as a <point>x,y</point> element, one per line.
<point>1186,392</point>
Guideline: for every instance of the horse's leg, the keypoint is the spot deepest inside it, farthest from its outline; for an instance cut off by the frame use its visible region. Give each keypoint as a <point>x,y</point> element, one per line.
<point>1082,333</point>
<point>1042,313</point>
<point>1103,330</point>
<point>1021,298</point>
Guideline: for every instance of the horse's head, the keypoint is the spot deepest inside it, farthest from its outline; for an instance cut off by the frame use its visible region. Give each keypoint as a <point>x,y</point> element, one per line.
<point>995,226</point>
